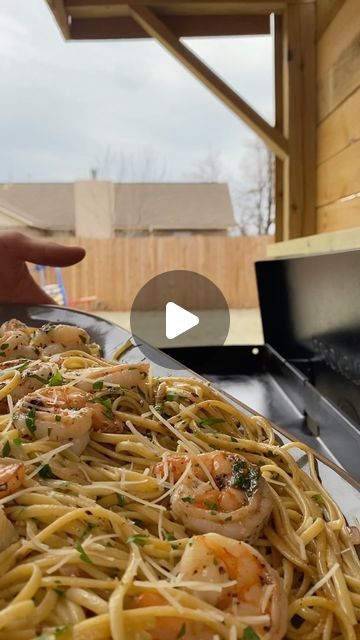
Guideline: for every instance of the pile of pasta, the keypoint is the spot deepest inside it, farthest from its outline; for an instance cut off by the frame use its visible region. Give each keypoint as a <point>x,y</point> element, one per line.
<point>141,508</point>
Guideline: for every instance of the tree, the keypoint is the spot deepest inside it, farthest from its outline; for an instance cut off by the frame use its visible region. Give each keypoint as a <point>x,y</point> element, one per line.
<point>254,191</point>
<point>251,188</point>
<point>141,166</point>
<point>209,168</point>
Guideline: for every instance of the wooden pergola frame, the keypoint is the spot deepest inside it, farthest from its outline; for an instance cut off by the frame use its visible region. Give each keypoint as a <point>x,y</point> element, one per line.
<point>293,137</point>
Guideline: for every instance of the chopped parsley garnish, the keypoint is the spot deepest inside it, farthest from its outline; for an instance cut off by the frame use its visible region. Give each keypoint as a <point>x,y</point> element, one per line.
<point>139,538</point>
<point>59,631</point>
<point>228,519</point>
<point>49,326</point>
<point>250,634</point>
<point>36,377</point>
<point>188,499</point>
<point>106,402</point>
<point>17,441</point>
<point>57,380</point>
<point>209,422</point>
<point>317,497</point>
<point>120,499</point>
<point>21,367</point>
<point>245,477</point>
<point>30,420</point>
<point>88,529</point>
<point>98,385</point>
<point>45,472</point>
<point>4,346</point>
<point>182,631</point>
<point>57,418</point>
<point>169,536</point>
<point>212,506</point>
<point>171,397</point>
<point>6,449</point>
<point>83,555</point>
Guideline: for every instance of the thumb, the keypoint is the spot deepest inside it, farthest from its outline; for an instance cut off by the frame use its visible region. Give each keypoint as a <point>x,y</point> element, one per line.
<point>44,252</point>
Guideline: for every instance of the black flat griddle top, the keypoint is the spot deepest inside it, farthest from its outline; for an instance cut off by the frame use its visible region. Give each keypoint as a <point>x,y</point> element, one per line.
<point>262,379</point>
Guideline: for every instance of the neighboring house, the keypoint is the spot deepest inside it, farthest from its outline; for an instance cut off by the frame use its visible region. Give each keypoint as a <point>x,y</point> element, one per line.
<point>97,208</point>
<point>38,208</point>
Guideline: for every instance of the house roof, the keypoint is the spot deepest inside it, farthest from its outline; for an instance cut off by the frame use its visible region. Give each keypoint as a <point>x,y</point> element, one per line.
<point>137,206</point>
<point>162,206</point>
<point>48,206</point>
<point>16,214</point>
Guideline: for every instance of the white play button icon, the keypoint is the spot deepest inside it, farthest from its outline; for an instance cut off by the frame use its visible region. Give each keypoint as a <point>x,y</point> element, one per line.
<point>176,310</point>
<point>178,320</point>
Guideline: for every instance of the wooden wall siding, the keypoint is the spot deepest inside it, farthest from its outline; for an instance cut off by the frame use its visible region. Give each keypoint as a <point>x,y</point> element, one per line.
<point>340,129</point>
<point>115,269</point>
<point>338,134</point>
<point>339,176</point>
<point>340,215</point>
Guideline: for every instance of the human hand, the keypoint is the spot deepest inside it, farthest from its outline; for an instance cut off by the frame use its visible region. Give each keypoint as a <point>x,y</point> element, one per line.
<point>16,282</point>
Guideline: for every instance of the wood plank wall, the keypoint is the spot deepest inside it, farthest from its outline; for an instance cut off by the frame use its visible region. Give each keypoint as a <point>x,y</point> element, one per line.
<point>338,155</point>
<point>114,270</point>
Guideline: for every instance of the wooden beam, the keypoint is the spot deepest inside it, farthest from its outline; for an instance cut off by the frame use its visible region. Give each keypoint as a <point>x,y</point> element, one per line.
<point>279,46</point>
<point>300,124</point>
<point>157,29</point>
<point>182,26</point>
<point>58,9</point>
<point>186,7</point>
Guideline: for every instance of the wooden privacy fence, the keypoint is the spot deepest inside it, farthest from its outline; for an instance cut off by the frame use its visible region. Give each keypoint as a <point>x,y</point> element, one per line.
<point>115,269</point>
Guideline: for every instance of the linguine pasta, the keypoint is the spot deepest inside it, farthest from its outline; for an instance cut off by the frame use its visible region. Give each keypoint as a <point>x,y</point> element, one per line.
<point>92,546</point>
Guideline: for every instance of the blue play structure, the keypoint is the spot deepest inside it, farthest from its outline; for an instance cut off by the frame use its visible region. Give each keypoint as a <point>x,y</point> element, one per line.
<point>57,289</point>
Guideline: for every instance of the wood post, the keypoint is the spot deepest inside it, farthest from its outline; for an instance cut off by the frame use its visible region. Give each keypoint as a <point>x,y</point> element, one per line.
<point>300,121</point>
<point>279,64</point>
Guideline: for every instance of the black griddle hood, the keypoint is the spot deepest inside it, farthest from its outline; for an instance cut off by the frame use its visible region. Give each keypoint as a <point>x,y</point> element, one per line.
<point>306,377</point>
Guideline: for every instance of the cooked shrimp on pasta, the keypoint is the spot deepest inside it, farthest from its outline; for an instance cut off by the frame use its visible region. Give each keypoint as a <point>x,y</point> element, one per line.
<point>141,508</point>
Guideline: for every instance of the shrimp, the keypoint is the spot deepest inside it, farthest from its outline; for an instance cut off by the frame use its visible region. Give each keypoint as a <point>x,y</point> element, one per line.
<point>62,414</point>
<point>13,325</point>
<point>12,476</point>
<point>237,503</point>
<point>256,598</point>
<point>16,344</point>
<point>121,375</point>
<point>34,374</point>
<point>169,628</point>
<point>52,338</point>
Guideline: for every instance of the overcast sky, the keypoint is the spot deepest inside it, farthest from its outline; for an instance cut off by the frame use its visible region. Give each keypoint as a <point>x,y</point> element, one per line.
<point>68,106</point>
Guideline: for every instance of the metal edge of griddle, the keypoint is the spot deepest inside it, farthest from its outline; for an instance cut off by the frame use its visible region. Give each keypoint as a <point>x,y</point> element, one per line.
<point>334,473</point>
<point>324,420</point>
